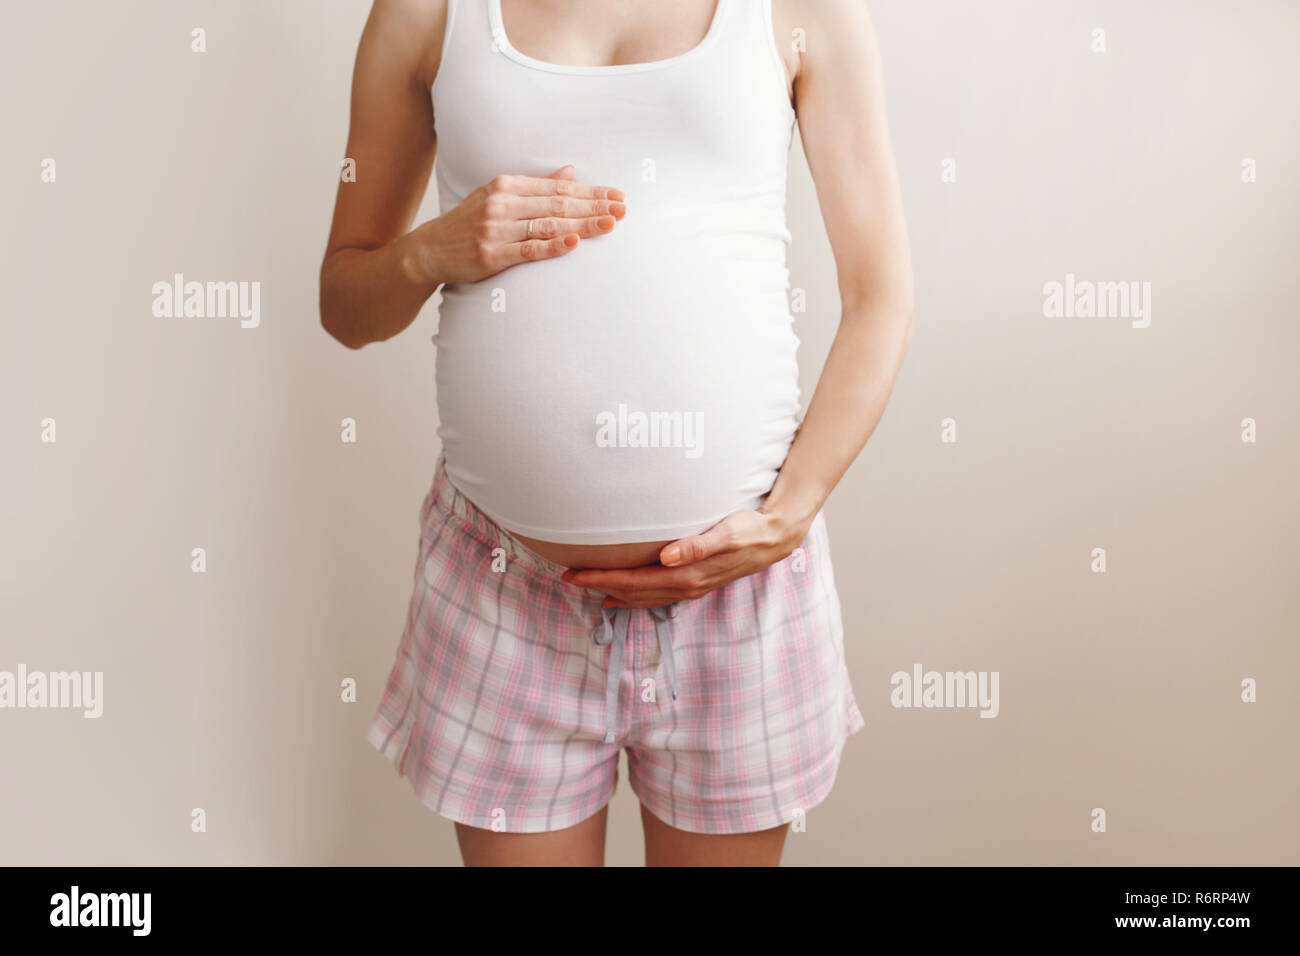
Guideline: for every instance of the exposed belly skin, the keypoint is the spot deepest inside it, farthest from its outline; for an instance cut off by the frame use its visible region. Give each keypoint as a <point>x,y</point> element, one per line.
<point>580,556</point>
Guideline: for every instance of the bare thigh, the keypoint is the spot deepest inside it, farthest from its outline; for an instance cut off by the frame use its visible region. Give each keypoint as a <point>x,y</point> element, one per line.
<point>582,844</point>
<point>668,846</point>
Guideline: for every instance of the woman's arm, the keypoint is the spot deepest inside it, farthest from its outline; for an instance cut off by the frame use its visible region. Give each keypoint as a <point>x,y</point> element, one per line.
<point>841,109</point>
<point>377,274</point>
<point>841,112</point>
<point>373,279</point>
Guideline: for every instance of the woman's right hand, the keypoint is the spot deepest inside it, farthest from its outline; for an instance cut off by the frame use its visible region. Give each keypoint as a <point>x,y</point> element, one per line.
<point>489,230</point>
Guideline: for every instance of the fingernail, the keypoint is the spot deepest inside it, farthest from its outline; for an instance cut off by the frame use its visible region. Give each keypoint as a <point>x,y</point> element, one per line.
<point>616,194</point>
<point>672,554</point>
<point>617,208</point>
<point>605,222</point>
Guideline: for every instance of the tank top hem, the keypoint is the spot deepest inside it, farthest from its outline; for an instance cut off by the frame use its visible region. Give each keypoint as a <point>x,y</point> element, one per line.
<point>605,537</point>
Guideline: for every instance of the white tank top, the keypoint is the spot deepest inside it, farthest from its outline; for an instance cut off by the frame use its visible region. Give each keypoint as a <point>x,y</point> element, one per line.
<point>644,386</point>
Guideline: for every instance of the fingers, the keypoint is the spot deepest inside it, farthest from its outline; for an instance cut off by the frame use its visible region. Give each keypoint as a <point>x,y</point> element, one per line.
<point>717,540</point>
<point>649,593</point>
<point>562,207</point>
<point>653,586</point>
<point>651,580</point>
<point>530,218</point>
<point>544,186</point>
<point>550,227</point>
<point>533,250</point>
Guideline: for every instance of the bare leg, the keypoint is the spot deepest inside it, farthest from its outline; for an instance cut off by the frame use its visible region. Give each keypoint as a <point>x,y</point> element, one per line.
<point>582,844</point>
<point>668,846</point>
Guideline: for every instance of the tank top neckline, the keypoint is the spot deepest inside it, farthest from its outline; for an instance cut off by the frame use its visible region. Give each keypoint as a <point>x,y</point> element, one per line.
<point>502,42</point>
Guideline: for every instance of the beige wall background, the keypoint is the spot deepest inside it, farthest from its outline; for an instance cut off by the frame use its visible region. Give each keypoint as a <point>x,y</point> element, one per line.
<point>222,690</point>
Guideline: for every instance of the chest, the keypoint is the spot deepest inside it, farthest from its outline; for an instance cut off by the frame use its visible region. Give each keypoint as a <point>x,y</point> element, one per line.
<point>604,33</point>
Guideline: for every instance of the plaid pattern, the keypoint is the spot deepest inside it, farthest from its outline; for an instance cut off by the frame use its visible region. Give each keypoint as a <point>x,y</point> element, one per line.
<point>495,708</point>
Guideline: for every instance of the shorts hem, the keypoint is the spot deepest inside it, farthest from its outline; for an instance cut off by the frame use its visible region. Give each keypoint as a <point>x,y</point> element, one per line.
<point>758,821</point>
<point>456,814</point>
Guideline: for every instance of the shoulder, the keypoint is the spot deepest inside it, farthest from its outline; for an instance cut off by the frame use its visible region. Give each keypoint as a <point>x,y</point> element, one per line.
<point>410,31</point>
<point>810,31</point>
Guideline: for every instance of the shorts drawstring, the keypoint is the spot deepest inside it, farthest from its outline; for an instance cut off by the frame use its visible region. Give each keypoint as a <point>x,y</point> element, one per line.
<point>612,630</point>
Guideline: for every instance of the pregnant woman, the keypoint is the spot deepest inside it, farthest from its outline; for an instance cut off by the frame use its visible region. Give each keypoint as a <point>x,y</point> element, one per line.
<point>623,547</point>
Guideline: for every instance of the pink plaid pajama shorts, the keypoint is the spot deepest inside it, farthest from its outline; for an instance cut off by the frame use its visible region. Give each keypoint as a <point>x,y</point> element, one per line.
<point>513,693</point>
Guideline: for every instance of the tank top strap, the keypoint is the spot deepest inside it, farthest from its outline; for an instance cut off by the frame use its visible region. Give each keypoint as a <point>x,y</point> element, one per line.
<point>469,27</point>
<point>750,33</point>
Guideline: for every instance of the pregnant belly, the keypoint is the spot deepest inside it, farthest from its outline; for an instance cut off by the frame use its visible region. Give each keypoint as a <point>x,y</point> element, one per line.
<point>638,390</point>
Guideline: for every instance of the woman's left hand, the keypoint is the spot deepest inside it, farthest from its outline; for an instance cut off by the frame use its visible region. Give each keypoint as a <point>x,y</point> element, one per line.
<point>741,544</point>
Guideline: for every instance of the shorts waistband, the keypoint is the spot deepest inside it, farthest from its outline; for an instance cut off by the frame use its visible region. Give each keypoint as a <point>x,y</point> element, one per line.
<point>451,499</point>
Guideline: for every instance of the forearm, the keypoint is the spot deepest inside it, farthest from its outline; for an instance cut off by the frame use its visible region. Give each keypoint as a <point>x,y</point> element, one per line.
<point>369,295</point>
<point>846,406</point>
